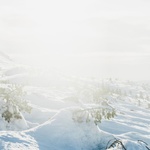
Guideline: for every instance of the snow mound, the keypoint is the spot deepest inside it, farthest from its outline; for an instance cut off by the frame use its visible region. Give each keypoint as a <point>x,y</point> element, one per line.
<point>62,133</point>
<point>17,141</point>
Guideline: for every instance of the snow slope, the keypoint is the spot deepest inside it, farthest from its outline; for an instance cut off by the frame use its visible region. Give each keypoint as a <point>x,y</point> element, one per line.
<point>54,98</point>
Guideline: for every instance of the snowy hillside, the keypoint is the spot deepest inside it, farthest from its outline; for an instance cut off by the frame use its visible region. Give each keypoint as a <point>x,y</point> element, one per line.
<point>70,113</point>
<point>4,58</point>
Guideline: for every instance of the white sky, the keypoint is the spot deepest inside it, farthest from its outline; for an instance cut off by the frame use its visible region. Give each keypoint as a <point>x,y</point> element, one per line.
<point>114,35</point>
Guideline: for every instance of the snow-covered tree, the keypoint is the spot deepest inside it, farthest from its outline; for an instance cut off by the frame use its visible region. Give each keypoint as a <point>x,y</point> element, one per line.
<point>95,113</point>
<point>12,103</point>
<point>98,108</point>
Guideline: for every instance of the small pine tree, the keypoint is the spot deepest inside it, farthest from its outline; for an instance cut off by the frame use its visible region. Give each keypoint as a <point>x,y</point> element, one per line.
<point>12,102</point>
<point>95,114</point>
<point>99,108</point>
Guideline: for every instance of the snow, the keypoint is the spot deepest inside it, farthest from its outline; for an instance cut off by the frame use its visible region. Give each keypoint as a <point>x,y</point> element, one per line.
<point>68,135</point>
<point>54,99</point>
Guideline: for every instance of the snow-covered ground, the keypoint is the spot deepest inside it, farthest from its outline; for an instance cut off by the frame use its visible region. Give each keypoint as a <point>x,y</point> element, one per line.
<point>55,98</point>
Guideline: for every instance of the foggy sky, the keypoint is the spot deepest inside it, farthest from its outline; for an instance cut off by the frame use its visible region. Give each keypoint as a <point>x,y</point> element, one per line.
<point>111,37</point>
<point>74,26</point>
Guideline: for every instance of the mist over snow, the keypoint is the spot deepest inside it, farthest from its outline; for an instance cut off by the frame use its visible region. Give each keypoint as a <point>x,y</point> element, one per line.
<point>74,75</point>
<point>85,38</point>
<point>71,113</point>
<point>121,65</point>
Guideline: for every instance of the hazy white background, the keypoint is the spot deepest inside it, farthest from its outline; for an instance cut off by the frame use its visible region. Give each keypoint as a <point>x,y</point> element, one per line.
<point>101,38</point>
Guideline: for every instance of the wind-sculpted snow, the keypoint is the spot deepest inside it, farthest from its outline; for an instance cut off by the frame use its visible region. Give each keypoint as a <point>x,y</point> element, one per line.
<point>59,133</point>
<point>17,141</point>
<point>62,133</point>
<point>54,98</point>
